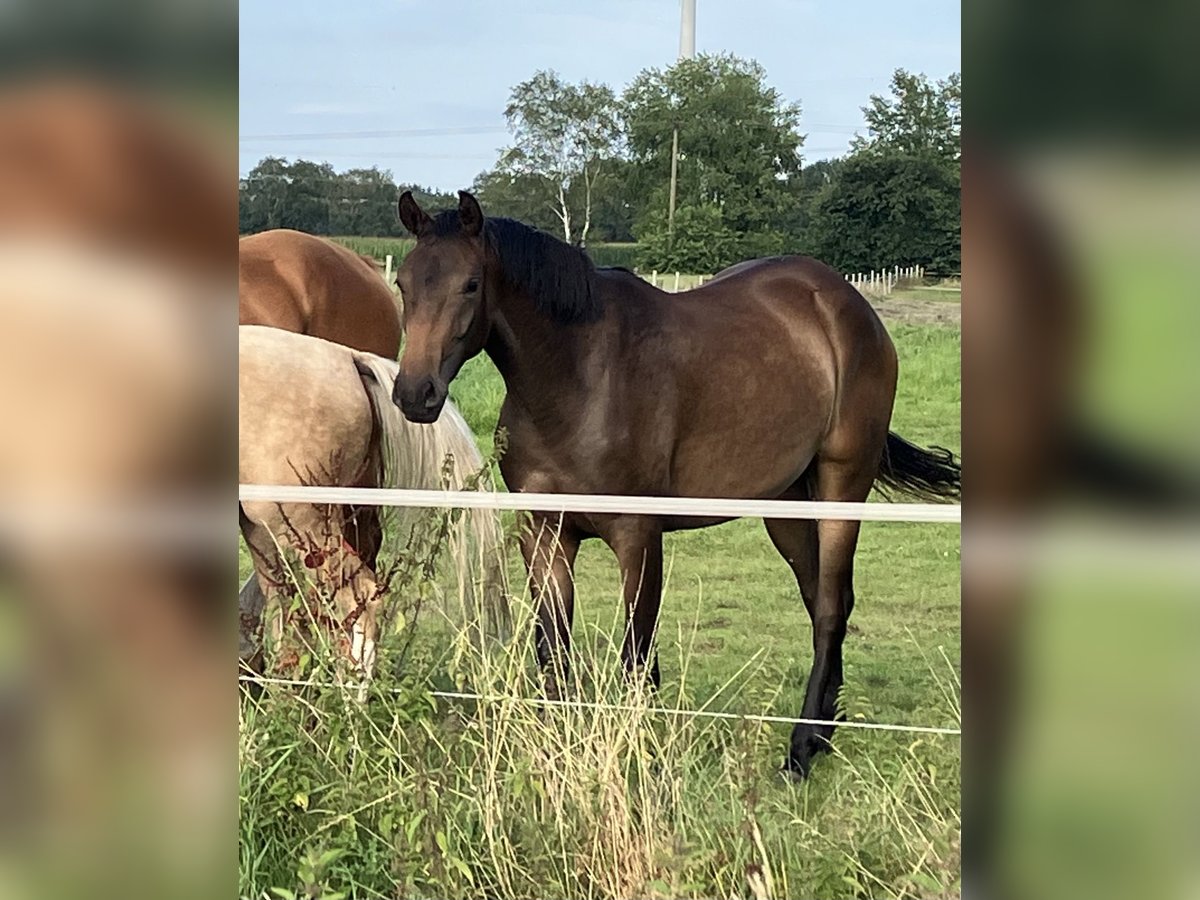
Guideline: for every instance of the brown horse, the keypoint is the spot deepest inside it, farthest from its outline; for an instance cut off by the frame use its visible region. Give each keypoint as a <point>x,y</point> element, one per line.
<point>774,380</point>
<point>298,282</point>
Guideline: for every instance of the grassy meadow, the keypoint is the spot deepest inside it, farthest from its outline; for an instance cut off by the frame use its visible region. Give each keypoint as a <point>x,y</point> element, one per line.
<point>417,796</point>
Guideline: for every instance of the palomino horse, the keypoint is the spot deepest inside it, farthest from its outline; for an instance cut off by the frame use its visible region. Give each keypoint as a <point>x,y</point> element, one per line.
<point>315,412</point>
<point>774,380</point>
<point>309,285</point>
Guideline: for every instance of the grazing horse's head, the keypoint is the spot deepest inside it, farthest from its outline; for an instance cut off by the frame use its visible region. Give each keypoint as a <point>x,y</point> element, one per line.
<point>446,320</point>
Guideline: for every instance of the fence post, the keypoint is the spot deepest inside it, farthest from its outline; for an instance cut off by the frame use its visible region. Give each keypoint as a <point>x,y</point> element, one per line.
<point>654,278</point>
<point>677,282</point>
<point>387,271</point>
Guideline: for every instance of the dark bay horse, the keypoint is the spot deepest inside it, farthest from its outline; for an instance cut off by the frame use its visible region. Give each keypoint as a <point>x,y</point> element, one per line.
<point>774,380</point>
<point>299,282</point>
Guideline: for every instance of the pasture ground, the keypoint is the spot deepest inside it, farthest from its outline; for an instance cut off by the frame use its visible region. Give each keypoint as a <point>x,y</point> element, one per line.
<point>411,797</point>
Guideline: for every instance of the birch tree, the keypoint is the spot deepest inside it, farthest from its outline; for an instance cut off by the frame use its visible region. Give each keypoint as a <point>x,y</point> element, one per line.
<point>563,136</point>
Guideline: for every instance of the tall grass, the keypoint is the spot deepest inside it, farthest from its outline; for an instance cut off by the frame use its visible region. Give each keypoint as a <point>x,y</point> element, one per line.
<point>410,795</point>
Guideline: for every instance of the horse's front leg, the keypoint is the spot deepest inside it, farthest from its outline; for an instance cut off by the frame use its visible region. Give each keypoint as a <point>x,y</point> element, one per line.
<point>549,550</point>
<point>637,542</point>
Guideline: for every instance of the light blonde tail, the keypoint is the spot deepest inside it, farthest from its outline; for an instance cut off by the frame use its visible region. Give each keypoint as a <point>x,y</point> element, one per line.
<point>414,456</point>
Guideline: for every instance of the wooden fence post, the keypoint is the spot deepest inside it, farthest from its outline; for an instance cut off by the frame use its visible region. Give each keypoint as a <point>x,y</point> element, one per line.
<point>387,270</point>
<point>676,283</point>
<point>654,278</point>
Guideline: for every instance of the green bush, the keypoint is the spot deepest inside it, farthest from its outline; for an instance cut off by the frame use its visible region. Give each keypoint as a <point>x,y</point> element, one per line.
<point>700,243</point>
<point>703,242</point>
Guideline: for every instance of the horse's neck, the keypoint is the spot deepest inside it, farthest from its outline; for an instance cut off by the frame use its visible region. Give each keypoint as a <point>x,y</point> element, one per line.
<point>531,351</point>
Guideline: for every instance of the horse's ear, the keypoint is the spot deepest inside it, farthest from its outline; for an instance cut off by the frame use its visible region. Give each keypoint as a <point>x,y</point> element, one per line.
<point>469,214</point>
<point>412,216</point>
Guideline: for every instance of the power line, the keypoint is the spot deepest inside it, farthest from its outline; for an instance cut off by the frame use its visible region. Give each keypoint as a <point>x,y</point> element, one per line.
<point>451,131</point>
<point>386,154</point>
<point>545,703</point>
<point>393,133</point>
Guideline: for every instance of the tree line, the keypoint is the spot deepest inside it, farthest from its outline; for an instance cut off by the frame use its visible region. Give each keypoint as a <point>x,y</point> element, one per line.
<point>593,165</point>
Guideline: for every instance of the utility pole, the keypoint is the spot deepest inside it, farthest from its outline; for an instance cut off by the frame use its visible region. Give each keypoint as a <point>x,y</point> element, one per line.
<point>687,50</point>
<point>687,29</point>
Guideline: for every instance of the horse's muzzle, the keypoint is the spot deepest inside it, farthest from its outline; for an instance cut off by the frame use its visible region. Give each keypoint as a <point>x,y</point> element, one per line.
<point>421,399</point>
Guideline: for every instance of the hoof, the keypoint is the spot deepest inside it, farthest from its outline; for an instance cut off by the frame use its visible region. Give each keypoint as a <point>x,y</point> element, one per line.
<point>791,771</point>
<point>806,746</point>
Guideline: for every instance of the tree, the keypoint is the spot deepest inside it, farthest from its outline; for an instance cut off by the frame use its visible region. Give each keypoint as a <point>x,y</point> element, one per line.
<point>278,194</point>
<point>921,117</point>
<point>614,202</point>
<point>517,196</point>
<point>363,203</point>
<point>738,143</point>
<point>888,209</point>
<point>262,196</point>
<point>312,197</point>
<point>563,135</point>
<point>308,196</point>
<point>896,198</point>
<point>806,188</point>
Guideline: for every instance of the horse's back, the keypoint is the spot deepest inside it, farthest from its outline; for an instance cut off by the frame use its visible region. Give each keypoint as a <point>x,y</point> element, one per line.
<point>303,283</point>
<point>761,364</point>
<point>810,304</point>
<point>302,408</point>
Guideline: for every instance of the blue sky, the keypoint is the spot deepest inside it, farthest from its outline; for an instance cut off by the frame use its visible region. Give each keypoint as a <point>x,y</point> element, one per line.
<point>326,67</point>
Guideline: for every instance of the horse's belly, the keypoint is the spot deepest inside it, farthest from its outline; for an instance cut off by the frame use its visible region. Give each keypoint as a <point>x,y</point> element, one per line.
<point>758,456</point>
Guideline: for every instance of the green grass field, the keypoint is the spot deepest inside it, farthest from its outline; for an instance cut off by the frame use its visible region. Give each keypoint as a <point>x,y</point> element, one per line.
<point>940,294</point>
<point>407,799</point>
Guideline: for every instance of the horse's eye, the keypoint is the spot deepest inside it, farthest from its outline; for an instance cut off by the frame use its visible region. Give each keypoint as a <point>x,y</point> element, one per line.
<point>472,286</point>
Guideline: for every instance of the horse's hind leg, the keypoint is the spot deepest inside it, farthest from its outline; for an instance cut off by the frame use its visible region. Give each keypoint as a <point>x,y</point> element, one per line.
<point>845,481</point>
<point>796,541</point>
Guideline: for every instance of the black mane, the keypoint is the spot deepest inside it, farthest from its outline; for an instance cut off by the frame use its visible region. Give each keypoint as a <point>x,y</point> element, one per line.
<point>560,279</point>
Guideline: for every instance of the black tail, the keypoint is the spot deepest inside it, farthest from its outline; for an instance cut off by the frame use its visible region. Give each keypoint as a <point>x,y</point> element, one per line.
<point>932,474</point>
